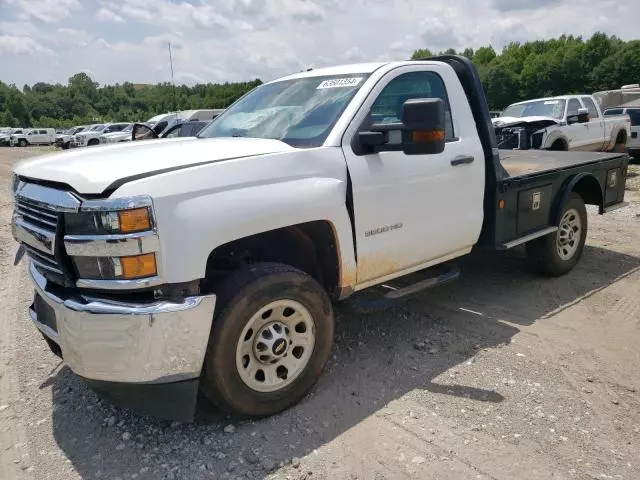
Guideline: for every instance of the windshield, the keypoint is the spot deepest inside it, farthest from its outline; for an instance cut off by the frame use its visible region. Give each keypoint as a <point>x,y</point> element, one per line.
<point>97,128</point>
<point>541,108</point>
<point>300,112</point>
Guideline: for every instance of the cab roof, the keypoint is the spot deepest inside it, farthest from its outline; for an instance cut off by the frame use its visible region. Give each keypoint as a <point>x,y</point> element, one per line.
<point>353,68</point>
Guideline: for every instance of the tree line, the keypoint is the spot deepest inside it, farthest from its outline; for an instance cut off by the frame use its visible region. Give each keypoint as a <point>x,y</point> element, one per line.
<point>83,101</point>
<point>559,66</point>
<point>568,64</point>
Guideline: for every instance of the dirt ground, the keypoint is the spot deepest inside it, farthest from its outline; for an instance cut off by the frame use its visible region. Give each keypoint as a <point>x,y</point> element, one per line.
<point>500,375</point>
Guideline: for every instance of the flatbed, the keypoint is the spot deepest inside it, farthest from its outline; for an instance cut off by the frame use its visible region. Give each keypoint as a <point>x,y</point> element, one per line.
<point>522,163</point>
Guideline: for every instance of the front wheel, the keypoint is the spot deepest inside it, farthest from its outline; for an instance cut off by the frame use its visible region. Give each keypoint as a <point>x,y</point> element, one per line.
<point>22,142</point>
<point>93,142</point>
<point>557,253</point>
<point>272,335</point>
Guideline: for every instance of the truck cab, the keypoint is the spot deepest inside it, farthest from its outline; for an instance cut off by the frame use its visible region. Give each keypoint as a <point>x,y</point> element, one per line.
<point>211,263</point>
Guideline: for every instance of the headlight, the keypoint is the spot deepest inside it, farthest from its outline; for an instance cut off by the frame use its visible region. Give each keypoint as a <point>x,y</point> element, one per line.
<point>107,223</point>
<point>116,268</point>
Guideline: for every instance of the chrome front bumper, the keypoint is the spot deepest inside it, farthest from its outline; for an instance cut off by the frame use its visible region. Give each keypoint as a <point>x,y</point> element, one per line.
<point>100,339</point>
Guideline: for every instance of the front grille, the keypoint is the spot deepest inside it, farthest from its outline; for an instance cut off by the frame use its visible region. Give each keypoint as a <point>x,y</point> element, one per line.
<point>37,215</point>
<point>49,220</point>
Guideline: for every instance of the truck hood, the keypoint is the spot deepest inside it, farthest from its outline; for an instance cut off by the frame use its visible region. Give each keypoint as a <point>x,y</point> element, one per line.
<point>539,122</point>
<point>93,170</point>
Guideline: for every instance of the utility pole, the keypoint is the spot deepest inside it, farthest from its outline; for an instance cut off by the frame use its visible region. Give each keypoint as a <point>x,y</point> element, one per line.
<point>175,107</point>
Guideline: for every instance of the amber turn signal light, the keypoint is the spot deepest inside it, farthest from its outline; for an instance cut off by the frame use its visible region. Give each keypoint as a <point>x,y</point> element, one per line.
<point>428,136</point>
<point>135,220</point>
<point>139,266</point>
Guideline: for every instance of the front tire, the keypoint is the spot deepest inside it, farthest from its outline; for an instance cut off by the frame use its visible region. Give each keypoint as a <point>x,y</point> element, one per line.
<point>93,142</point>
<point>557,253</point>
<point>272,335</point>
<point>22,142</point>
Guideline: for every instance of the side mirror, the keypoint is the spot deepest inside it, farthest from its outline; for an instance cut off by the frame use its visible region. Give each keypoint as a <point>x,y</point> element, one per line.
<point>142,132</point>
<point>583,115</point>
<point>421,131</point>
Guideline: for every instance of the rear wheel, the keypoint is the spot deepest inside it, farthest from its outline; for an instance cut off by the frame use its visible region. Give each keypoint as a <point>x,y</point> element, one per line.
<point>557,253</point>
<point>272,335</point>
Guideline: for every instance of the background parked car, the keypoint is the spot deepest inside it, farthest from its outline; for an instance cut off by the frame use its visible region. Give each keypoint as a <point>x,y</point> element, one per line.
<point>63,140</point>
<point>567,122</point>
<point>35,136</point>
<point>5,135</point>
<point>183,129</point>
<point>123,135</point>
<point>634,114</point>
<point>91,137</point>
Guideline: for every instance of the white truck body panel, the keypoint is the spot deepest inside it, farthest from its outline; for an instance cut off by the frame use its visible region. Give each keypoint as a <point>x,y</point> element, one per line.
<point>409,184</point>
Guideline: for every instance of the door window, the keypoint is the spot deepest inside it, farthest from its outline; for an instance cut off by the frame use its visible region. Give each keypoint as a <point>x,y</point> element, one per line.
<point>174,132</point>
<point>42,132</point>
<point>387,108</point>
<point>593,111</point>
<point>574,106</point>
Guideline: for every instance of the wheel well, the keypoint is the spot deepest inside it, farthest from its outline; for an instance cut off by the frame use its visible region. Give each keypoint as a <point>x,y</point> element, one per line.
<point>558,145</point>
<point>621,138</point>
<point>310,247</point>
<point>589,189</point>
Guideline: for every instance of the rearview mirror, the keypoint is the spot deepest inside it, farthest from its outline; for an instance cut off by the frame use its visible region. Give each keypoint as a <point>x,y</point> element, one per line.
<point>142,132</point>
<point>421,130</point>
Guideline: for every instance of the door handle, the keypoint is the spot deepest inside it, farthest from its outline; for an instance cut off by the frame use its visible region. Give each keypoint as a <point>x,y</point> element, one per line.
<point>462,160</point>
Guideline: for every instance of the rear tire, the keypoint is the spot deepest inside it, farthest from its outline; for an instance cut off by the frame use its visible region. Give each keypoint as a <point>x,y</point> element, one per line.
<point>557,253</point>
<point>248,370</point>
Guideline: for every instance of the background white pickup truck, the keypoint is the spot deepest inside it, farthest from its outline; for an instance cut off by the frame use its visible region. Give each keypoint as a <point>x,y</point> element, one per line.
<point>34,136</point>
<point>569,122</point>
<point>634,115</point>
<point>91,136</point>
<point>164,266</point>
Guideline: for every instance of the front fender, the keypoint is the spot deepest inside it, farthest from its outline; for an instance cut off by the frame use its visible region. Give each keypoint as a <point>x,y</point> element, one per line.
<point>552,136</point>
<point>200,208</point>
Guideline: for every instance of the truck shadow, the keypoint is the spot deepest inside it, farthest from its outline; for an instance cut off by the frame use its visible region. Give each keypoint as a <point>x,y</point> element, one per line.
<point>377,358</point>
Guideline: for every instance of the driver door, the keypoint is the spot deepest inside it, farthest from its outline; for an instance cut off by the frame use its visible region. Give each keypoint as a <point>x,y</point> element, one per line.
<point>577,133</point>
<point>415,210</point>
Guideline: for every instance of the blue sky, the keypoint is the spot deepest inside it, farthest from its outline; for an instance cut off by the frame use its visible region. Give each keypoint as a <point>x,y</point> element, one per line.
<point>230,40</point>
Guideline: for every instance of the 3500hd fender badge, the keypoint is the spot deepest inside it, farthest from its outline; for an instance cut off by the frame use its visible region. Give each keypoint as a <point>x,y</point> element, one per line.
<point>386,228</point>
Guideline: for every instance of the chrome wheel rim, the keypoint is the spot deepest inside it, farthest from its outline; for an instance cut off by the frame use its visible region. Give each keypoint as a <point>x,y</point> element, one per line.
<point>569,234</point>
<point>275,345</point>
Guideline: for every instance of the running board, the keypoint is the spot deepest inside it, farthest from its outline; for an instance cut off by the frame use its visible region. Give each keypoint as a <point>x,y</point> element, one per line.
<point>390,293</point>
<point>527,238</point>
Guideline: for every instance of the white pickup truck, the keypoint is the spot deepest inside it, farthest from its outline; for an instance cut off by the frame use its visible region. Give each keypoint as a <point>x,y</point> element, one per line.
<point>91,136</point>
<point>33,136</point>
<point>569,122</point>
<point>167,266</point>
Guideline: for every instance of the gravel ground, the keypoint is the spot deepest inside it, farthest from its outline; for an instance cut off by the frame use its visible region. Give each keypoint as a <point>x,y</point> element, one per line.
<point>501,375</point>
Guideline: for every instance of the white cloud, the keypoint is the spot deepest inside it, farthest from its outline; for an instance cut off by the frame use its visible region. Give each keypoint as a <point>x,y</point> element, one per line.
<point>107,15</point>
<point>18,46</point>
<point>70,37</point>
<point>49,11</point>
<point>231,40</point>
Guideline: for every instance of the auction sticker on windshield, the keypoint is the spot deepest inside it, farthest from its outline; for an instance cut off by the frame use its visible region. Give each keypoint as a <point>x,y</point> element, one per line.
<point>340,83</point>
